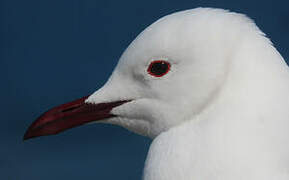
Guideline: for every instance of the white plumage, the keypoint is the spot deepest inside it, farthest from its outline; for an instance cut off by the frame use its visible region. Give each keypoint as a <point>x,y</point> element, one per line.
<point>221,113</point>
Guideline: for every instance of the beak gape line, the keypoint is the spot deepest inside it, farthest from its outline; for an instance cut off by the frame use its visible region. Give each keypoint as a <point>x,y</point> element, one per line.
<point>70,115</point>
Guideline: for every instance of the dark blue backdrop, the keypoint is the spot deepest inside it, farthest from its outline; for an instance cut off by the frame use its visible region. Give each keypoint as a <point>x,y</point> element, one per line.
<point>53,51</point>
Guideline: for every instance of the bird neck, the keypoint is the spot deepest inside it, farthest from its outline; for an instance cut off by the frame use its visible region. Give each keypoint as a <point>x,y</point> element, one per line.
<point>219,150</point>
<point>241,134</point>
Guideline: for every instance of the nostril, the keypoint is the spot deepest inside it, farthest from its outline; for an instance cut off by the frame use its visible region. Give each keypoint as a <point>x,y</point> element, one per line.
<point>71,108</point>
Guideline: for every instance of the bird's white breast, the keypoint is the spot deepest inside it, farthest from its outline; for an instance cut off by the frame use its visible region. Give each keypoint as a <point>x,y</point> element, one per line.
<point>204,151</point>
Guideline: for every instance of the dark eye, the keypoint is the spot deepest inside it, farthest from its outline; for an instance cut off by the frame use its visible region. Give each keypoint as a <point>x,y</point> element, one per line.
<point>159,68</point>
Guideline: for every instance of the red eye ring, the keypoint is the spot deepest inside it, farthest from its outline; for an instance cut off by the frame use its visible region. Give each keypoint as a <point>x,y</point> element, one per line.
<point>159,68</point>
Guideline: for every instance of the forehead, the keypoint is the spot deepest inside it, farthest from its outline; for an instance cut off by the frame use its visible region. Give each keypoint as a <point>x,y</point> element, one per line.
<point>162,39</point>
<point>185,35</point>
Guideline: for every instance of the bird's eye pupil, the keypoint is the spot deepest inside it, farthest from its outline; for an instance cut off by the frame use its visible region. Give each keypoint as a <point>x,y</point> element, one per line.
<point>158,68</point>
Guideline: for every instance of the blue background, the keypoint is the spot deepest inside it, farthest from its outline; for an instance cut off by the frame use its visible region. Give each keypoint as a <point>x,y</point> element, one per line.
<point>54,51</point>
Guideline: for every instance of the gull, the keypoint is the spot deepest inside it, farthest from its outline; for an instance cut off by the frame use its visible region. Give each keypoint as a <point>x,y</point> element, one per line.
<point>207,86</point>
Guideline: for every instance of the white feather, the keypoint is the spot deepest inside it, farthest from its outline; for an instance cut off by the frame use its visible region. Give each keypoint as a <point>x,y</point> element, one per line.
<point>221,113</point>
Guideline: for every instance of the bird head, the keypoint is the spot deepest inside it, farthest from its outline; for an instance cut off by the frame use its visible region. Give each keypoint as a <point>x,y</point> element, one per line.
<point>168,75</point>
